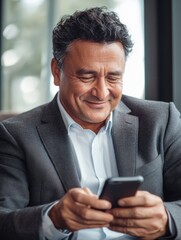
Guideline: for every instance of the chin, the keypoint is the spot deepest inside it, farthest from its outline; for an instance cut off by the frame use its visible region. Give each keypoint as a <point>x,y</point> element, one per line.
<point>98,120</point>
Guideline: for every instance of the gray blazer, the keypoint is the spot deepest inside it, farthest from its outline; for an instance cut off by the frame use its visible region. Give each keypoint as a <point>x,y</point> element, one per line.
<point>37,164</point>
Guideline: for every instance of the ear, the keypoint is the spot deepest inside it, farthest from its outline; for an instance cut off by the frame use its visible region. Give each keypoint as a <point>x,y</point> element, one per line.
<point>55,71</point>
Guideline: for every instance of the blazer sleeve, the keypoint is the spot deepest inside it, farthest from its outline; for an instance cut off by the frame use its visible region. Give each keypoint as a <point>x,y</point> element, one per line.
<point>18,220</point>
<point>172,167</point>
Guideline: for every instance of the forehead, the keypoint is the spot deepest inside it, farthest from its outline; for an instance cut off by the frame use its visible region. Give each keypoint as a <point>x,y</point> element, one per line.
<point>85,52</point>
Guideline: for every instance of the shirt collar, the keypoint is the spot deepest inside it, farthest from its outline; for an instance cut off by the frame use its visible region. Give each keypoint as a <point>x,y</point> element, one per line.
<point>69,122</point>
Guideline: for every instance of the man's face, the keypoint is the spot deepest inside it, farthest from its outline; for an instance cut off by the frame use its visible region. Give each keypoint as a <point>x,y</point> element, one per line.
<point>90,81</point>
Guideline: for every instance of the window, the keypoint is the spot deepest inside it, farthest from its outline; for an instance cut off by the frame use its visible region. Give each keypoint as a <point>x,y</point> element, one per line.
<point>27,51</point>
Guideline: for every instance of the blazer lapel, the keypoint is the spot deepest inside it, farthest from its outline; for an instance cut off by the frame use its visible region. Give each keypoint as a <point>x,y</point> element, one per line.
<point>58,145</point>
<point>125,140</point>
<point>61,152</point>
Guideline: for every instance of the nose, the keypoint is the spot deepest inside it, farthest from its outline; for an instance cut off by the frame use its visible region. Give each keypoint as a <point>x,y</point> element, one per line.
<point>100,89</point>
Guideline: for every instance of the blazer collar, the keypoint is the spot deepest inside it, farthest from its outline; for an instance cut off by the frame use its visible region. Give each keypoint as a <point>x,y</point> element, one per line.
<point>125,139</point>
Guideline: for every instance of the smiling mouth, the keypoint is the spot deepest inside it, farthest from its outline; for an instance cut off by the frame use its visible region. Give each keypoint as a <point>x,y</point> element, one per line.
<point>97,104</point>
<point>93,102</point>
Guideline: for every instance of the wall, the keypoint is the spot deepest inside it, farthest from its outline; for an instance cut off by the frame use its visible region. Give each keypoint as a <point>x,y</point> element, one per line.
<point>176,30</point>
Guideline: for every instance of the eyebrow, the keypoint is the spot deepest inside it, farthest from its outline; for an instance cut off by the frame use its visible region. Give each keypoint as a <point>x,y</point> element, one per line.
<point>116,73</point>
<point>86,71</point>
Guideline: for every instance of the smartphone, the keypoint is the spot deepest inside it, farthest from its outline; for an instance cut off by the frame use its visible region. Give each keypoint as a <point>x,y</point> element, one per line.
<point>120,187</point>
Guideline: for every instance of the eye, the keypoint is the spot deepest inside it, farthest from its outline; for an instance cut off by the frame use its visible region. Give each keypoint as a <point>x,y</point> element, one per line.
<point>114,78</point>
<point>86,77</point>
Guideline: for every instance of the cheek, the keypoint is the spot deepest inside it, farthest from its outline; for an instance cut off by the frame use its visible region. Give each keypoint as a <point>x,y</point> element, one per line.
<point>117,91</point>
<point>74,93</point>
<point>81,90</point>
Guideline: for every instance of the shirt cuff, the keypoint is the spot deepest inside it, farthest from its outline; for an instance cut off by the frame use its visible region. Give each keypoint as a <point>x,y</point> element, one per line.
<point>50,231</point>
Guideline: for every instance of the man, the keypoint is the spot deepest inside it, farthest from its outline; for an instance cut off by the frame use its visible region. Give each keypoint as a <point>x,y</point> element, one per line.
<point>55,158</point>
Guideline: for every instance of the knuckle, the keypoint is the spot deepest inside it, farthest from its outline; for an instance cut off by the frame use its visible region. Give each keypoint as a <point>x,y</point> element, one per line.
<point>128,223</point>
<point>146,199</point>
<point>85,213</point>
<point>77,196</point>
<point>116,213</point>
<point>154,225</point>
<point>137,212</point>
<point>125,230</point>
<point>142,233</point>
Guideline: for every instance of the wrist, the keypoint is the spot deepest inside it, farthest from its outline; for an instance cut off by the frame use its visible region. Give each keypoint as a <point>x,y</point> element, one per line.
<point>53,216</point>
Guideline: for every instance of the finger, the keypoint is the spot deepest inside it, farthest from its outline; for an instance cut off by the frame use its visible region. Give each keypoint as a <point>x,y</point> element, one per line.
<point>142,198</point>
<point>79,204</point>
<point>133,212</point>
<point>75,225</point>
<point>147,224</point>
<point>83,217</point>
<point>157,211</point>
<point>88,191</point>
<point>87,214</point>
<point>76,222</point>
<point>91,200</point>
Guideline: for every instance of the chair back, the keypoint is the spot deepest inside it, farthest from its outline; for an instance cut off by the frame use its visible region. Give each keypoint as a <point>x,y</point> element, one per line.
<point>5,114</point>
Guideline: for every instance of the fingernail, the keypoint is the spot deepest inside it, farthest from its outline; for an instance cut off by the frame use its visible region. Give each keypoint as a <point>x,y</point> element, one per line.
<point>121,202</point>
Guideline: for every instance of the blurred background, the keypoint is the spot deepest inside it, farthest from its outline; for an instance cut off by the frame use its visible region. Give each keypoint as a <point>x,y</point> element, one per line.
<point>153,69</point>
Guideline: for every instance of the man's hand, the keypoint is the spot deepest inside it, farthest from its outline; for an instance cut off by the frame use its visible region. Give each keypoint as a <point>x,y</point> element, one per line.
<point>80,209</point>
<point>142,215</point>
